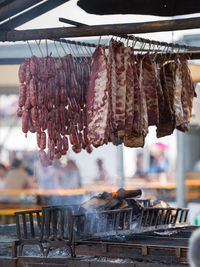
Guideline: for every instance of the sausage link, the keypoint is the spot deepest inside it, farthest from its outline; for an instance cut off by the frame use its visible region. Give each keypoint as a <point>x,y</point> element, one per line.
<point>43,140</point>
<point>89,149</point>
<point>33,65</point>
<point>22,71</point>
<point>30,125</point>
<point>38,136</point>
<point>76,149</point>
<point>28,73</point>
<point>25,118</point>
<point>40,100</point>
<point>65,144</point>
<point>59,143</point>
<point>33,92</point>
<point>34,117</point>
<point>62,78</point>
<point>19,112</point>
<point>28,101</point>
<point>22,95</point>
<point>45,118</point>
<point>63,95</point>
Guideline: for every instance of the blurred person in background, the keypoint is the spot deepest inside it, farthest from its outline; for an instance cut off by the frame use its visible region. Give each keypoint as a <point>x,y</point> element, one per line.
<point>158,161</point>
<point>72,177</point>
<point>102,175</point>
<point>17,178</point>
<point>3,171</point>
<point>139,165</point>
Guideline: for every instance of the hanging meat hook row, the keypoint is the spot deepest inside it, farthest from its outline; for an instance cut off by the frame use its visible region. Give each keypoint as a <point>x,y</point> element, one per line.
<point>56,48</point>
<point>46,47</point>
<point>30,48</point>
<point>78,53</point>
<point>149,45</point>
<point>99,40</point>
<point>62,46</point>
<point>38,44</point>
<point>84,54</point>
<point>127,42</point>
<point>69,48</point>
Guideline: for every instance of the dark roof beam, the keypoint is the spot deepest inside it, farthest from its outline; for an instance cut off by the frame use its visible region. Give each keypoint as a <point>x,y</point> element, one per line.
<point>15,7</point>
<point>31,14</point>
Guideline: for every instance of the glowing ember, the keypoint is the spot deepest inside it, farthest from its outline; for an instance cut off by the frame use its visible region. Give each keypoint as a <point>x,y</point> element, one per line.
<point>115,194</point>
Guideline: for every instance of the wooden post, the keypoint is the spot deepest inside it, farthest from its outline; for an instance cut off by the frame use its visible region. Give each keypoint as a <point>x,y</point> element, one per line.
<point>97,30</point>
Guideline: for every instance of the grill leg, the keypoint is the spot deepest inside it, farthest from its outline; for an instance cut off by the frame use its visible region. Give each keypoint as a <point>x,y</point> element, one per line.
<point>14,249</point>
<point>21,249</point>
<point>41,249</point>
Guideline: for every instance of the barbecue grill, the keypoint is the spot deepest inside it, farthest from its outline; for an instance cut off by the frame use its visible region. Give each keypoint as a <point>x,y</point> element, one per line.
<point>118,232</point>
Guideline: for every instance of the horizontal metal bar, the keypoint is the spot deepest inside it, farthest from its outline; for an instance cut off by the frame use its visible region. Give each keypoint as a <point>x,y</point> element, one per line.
<point>132,37</point>
<point>99,30</point>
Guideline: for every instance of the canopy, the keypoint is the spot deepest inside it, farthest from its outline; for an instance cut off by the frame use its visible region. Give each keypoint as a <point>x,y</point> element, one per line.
<point>146,7</point>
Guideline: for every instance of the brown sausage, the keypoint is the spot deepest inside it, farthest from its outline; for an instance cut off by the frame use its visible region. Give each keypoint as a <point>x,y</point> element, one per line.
<point>27,102</point>
<point>33,92</point>
<point>40,96</point>
<point>38,136</point>
<point>22,95</point>
<point>43,140</point>
<point>22,71</point>
<point>89,149</point>
<point>19,112</point>
<point>25,118</point>
<point>65,144</point>
<point>33,65</point>
<point>62,78</point>
<point>30,125</point>
<point>34,117</point>
<point>76,149</point>
<point>28,73</point>
<point>45,118</point>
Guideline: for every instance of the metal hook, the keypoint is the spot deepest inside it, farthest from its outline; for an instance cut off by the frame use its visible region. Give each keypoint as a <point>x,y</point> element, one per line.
<point>30,48</point>
<point>62,47</point>
<point>127,40</point>
<point>46,47</point>
<point>149,46</point>
<point>99,40</point>
<point>56,48</point>
<point>84,54</point>
<point>38,44</point>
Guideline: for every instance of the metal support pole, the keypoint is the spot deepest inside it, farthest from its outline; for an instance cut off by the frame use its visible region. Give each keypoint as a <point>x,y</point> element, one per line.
<point>180,173</point>
<point>120,165</point>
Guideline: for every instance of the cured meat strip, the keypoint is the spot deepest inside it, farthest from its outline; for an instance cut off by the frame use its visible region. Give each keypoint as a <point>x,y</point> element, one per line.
<point>178,85</point>
<point>121,86</point>
<point>156,67</point>
<point>149,86</point>
<point>98,106</point>
<point>137,104</point>
<point>112,83</point>
<point>166,119</point>
<point>129,110</point>
<point>140,121</point>
<point>187,95</point>
<point>144,109</point>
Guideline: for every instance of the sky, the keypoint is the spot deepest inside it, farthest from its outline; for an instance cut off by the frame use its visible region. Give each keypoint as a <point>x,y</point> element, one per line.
<point>71,11</point>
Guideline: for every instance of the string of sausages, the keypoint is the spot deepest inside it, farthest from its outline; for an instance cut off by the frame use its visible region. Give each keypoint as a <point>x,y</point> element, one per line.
<point>114,98</point>
<point>52,104</point>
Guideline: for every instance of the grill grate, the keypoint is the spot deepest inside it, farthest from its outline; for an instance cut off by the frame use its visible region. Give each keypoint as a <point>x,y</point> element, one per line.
<point>63,226</point>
